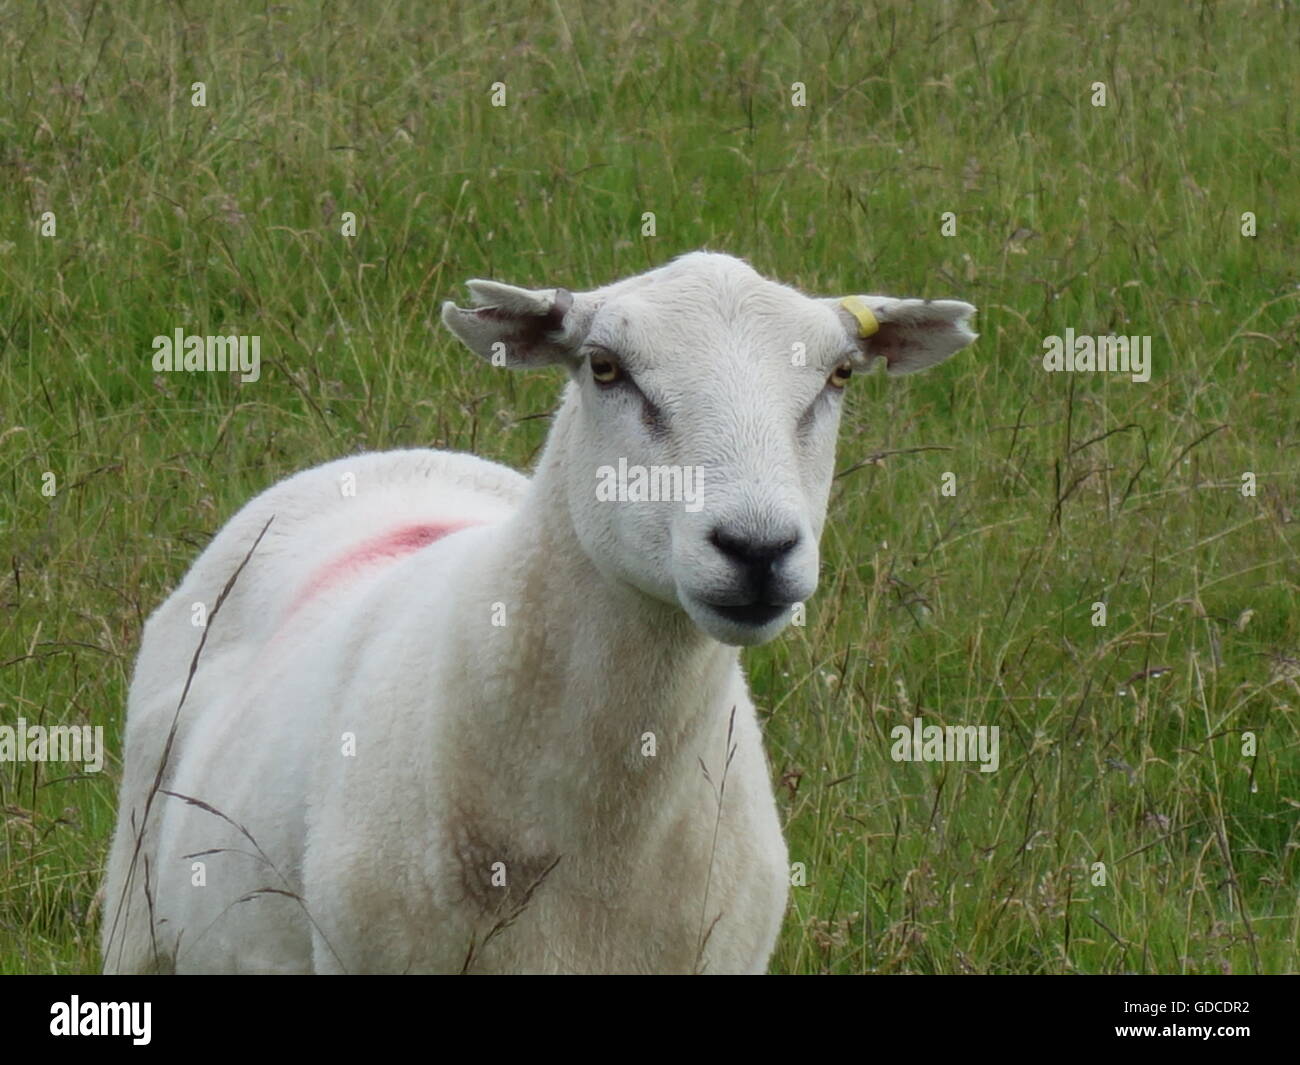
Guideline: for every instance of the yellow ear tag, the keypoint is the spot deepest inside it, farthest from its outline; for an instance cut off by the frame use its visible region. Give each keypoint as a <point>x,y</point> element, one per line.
<point>857,306</point>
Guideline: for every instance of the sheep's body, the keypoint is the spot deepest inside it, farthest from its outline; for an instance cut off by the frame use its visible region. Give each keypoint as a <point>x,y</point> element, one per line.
<point>394,839</point>
<point>449,719</point>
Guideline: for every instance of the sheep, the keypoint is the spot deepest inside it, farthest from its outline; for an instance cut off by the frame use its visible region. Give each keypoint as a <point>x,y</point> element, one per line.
<point>450,719</point>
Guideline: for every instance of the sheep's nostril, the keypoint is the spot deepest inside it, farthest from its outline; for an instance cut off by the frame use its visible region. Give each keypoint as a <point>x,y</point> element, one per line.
<point>751,553</point>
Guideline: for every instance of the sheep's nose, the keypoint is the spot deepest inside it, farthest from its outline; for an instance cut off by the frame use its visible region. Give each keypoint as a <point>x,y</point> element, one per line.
<point>758,557</point>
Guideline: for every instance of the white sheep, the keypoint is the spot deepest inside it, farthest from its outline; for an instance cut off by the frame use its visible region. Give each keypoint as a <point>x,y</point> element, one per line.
<point>449,719</point>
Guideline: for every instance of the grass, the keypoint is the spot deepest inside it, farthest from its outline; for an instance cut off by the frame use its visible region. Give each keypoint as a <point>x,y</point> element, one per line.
<point>972,608</point>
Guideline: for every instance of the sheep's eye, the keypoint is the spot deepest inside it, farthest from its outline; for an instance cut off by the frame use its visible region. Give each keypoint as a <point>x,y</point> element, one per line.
<point>841,374</point>
<point>605,371</point>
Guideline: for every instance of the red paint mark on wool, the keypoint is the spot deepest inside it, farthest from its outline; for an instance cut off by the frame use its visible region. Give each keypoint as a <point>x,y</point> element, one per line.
<point>386,548</point>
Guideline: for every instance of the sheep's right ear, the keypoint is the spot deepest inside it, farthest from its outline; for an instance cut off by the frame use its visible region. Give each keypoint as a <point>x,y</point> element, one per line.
<point>521,328</point>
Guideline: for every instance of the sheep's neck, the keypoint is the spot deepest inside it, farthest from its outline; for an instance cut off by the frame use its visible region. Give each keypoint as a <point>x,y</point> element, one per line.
<point>604,698</point>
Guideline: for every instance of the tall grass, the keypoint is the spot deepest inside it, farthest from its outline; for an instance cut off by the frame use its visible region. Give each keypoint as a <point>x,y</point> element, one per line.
<point>973,608</point>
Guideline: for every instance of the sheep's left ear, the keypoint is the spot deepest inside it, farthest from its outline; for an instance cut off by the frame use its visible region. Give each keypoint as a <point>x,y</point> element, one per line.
<point>521,328</point>
<point>909,335</point>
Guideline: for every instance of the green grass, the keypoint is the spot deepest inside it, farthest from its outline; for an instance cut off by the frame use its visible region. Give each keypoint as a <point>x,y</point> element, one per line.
<point>973,608</point>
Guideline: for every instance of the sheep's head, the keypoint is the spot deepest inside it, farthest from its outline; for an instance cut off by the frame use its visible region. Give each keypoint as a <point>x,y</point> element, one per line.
<point>700,425</point>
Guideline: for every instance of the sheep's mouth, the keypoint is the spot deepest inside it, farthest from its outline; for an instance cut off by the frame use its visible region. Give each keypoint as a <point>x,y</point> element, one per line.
<point>756,614</point>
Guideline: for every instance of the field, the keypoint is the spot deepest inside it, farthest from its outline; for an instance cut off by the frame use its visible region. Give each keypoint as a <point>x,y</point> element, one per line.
<point>1144,816</point>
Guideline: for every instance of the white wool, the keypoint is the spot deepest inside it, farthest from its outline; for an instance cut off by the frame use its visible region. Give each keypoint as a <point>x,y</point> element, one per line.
<point>485,754</point>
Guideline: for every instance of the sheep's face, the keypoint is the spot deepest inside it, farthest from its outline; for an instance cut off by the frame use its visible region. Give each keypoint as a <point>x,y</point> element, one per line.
<point>699,431</point>
<point>704,443</point>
